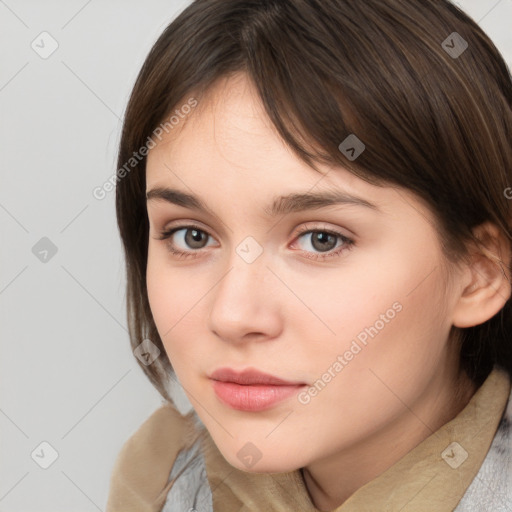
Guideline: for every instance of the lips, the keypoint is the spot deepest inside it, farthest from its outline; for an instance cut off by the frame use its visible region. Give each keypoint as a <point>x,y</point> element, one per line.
<point>250,377</point>
<point>251,390</point>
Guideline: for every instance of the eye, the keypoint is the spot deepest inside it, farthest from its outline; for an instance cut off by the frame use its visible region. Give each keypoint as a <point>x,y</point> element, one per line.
<point>325,241</point>
<point>191,240</point>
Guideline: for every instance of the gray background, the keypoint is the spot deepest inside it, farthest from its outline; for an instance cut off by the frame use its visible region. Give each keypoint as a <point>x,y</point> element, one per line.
<point>68,376</point>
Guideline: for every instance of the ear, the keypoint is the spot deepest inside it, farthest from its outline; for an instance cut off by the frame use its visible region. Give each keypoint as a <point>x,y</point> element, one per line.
<point>486,280</point>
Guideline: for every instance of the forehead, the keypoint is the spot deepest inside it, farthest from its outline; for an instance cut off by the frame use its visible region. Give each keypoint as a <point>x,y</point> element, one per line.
<point>228,122</point>
<point>229,132</point>
<point>227,146</point>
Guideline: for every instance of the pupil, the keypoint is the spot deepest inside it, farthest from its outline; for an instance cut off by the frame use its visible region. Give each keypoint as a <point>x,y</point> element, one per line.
<point>194,236</point>
<point>323,238</point>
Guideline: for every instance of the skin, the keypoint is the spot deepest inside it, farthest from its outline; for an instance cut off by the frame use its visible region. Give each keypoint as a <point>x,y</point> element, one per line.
<point>290,315</point>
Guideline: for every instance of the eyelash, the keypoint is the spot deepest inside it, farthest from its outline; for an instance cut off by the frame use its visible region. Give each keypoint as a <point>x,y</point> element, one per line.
<point>347,242</point>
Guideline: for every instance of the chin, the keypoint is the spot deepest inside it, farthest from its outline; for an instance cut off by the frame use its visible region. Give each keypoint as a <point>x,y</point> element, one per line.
<point>274,462</point>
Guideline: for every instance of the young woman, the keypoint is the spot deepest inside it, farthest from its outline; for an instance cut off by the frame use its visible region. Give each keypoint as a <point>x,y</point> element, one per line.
<point>314,201</point>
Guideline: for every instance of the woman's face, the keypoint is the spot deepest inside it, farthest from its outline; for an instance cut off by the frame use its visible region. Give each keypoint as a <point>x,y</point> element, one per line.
<point>348,302</point>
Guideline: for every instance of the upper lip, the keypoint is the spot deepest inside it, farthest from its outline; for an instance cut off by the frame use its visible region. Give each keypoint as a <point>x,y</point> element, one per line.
<point>250,376</point>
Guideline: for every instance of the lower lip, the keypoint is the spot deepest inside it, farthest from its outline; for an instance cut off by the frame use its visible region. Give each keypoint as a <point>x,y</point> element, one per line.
<point>252,398</point>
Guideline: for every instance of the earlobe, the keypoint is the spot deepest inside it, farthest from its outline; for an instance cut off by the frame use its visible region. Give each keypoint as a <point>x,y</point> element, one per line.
<point>487,287</point>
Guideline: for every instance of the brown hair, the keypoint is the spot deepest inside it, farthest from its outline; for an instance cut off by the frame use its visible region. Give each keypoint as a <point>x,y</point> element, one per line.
<point>434,122</point>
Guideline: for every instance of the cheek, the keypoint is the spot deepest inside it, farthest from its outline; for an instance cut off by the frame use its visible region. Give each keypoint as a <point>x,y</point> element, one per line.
<point>362,379</point>
<point>175,302</point>
<point>388,310</point>
<point>359,302</point>
<point>165,290</point>
<point>390,340</point>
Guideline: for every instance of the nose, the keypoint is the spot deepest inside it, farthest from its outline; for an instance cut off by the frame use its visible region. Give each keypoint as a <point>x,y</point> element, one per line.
<point>245,302</point>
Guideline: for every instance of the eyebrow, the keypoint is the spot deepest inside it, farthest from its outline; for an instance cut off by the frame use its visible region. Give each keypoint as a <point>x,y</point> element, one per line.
<point>290,203</point>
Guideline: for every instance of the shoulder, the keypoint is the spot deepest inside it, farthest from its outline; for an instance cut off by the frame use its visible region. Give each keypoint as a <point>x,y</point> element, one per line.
<point>140,474</point>
<point>493,483</point>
